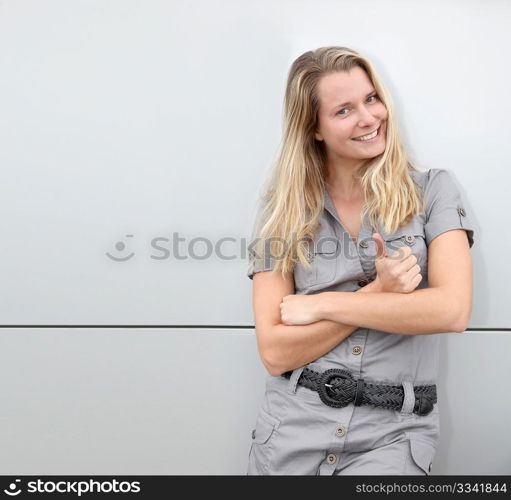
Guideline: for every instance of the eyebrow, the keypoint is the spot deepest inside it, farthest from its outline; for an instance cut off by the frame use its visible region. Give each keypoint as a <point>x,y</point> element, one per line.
<point>348,103</point>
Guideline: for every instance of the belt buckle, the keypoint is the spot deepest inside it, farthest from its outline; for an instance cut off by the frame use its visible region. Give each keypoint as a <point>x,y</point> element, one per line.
<point>324,382</point>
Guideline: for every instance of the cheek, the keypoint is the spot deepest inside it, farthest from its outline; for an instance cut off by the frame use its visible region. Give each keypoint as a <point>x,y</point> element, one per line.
<point>344,130</point>
<point>338,132</point>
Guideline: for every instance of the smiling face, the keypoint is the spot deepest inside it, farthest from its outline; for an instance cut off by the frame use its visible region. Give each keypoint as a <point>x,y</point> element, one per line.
<point>350,108</point>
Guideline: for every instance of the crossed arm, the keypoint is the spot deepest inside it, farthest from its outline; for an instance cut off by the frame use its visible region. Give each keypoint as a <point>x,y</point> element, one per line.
<point>444,307</point>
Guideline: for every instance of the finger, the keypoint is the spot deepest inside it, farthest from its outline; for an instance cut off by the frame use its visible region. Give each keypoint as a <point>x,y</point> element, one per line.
<point>412,274</point>
<point>409,262</point>
<point>414,283</point>
<point>417,280</point>
<point>380,246</point>
<point>401,254</point>
<point>407,266</point>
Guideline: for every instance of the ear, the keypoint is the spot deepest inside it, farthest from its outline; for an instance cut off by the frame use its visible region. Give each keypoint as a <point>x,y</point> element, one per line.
<point>318,136</point>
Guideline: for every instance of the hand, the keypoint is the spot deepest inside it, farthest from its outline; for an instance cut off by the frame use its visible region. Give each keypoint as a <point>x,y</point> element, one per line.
<point>300,309</point>
<point>398,272</point>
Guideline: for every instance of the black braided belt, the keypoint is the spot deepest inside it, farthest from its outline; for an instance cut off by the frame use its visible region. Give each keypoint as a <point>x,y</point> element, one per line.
<point>338,388</point>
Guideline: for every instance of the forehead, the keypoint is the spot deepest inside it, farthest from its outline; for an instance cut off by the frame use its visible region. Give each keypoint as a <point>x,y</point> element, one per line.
<point>342,86</point>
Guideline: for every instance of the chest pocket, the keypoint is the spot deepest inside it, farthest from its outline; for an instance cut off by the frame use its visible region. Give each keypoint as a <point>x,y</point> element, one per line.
<point>324,256</point>
<point>410,235</point>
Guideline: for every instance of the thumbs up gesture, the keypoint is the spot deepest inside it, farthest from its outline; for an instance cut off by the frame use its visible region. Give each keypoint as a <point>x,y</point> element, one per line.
<point>397,272</point>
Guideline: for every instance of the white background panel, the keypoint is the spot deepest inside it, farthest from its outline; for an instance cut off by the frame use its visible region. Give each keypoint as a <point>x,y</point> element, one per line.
<point>128,120</point>
<point>152,118</point>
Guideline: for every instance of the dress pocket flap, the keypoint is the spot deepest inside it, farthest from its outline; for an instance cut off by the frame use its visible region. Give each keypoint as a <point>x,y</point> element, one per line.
<point>265,425</point>
<point>407,233</point>
<point>423,454</point>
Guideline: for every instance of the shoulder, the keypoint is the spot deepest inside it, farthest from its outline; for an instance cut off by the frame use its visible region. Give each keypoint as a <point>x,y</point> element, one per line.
<point>435,182</point>
<point>425,178</point>
<point>420,178</point>
<point>441,183</point>
<point>446,205</point>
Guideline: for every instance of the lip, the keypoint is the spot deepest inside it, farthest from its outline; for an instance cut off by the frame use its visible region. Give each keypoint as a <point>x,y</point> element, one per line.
<point>370,140</point>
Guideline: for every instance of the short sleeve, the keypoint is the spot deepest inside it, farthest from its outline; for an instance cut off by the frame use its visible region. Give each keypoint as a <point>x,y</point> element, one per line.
<point>258,262</point>
<point>446,208</point>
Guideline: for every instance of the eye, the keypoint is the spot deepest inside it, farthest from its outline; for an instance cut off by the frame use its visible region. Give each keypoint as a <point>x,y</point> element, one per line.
<point>375,96</point>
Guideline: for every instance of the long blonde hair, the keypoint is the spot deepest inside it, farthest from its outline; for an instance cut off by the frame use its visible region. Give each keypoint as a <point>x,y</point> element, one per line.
<point>293,198</point>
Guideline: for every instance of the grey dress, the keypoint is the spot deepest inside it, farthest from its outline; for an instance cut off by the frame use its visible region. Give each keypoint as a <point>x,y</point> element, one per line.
<point>295,432</point>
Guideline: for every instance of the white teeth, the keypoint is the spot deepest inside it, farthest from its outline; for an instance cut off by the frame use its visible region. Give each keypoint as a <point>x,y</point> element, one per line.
<point>366,137</point>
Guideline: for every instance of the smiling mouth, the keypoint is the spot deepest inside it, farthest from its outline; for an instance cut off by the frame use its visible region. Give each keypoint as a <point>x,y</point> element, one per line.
<point>369,136</point>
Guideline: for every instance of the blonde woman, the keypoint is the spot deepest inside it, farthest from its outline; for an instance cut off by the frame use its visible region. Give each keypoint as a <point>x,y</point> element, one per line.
<point>359,261</point>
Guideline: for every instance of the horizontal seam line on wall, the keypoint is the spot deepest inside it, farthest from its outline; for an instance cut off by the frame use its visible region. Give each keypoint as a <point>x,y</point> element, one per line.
<point>246,327</point>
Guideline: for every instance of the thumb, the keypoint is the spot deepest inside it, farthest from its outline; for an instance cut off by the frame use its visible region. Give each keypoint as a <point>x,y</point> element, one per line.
<point>380,246</point>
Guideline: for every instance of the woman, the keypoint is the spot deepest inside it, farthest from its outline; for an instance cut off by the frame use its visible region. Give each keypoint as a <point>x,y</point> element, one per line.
<point>352,376</point>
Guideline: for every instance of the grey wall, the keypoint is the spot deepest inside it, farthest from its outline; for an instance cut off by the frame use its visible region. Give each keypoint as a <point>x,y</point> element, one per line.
<point>126,121</point>
<point>179,401</point>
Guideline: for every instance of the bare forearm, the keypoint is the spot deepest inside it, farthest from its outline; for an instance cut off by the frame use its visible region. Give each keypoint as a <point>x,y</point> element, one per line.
<point>297,345</point>
<point>423,311</point>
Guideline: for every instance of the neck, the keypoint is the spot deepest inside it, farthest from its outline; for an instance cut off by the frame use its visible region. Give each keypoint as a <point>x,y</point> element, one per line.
<point>344,181</point>
<point>346,187</point>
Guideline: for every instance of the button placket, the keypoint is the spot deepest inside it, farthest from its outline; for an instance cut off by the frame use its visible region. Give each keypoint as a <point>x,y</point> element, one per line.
<point>356,350</point>
<point>367,252</point>
<point>340,431</point>
<point>352,245</point>
<point>327,467</point>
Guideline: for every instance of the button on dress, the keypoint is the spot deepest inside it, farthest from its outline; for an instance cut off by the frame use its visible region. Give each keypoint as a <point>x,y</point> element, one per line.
<point>295,432</point>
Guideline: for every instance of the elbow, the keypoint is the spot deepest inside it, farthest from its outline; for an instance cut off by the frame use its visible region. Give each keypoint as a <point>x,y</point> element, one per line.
<point>271,355</point>
<point>272,363</point>
<point>460,320</point>
<point>274,371</point>
<point>459,328</point>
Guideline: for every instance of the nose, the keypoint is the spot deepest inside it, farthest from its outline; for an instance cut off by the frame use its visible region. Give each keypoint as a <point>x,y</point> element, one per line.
<point>367,118</point>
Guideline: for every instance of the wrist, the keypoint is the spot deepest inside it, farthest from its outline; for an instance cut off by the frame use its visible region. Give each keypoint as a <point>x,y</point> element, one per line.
<point>374,286</point>
<point>324,305</point>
